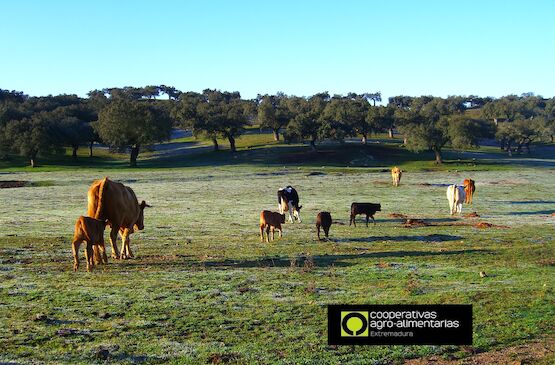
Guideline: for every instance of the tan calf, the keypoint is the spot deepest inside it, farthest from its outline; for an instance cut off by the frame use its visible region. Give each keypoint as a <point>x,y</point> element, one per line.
<point>270,221</point>
<point>91,231</point>
<point>396,175</point>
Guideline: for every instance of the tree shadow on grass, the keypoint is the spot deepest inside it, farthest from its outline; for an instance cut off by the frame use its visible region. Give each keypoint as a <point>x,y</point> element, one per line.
<point>424,238</point>
<point>331,260</point>
<point>181,262</point>
<point>536,212</point>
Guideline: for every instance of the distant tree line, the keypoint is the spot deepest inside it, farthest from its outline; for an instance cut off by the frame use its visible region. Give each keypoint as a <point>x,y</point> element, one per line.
<point>131,118</point>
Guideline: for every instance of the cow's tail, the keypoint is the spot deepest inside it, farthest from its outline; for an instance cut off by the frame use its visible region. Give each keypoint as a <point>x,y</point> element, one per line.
<point>101,188</point>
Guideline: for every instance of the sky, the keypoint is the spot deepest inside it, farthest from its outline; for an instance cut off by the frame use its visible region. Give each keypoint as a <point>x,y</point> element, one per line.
<point>440,48</point>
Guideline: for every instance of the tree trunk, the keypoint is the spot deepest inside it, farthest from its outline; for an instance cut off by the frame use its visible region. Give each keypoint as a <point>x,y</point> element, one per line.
<point>437,152</point>
<point>215,143</point>
<point>74,148</point>
<point>276,134</point>
<point>231,140</point>
<point>313,144</point>
<point>527,146</point>
<point>509,151</point>
<point>134,154</point>
<point>364,138</point>
<point>33,158</point>
<point>390,132</point>
<point>90,149</point>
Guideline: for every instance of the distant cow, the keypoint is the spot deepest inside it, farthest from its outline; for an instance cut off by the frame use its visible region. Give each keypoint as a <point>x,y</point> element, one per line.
<point>368,209</point>
<point>396,175</point>
<point>91,231</point>
<point>116,203</point>
<point>323,219</point>
<point>288,201</point>
<point>456,197</point>
<point>469,189</point>
<point>270,221</point>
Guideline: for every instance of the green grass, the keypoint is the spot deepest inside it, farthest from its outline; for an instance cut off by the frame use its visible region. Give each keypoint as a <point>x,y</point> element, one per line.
<point>202,287</point>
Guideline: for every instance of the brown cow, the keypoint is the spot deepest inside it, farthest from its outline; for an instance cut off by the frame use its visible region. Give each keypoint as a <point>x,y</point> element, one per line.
<point>270,221</point>
<point>469,189</point>
<point>323,219</point>
<point>396,175</point>
<point>116,203</point>
<point>91,231</point>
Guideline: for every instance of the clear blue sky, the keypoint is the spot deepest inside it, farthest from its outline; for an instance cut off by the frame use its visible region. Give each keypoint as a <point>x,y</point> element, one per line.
<point>488,48</point>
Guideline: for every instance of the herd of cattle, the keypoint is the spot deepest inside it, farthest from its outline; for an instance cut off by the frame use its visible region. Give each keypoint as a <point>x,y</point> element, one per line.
<point>114,204</point>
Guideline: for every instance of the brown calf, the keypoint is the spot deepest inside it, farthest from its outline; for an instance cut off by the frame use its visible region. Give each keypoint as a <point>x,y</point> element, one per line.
<point>469,189</point>
<point>323,219</point>
<point>91,231</point>
<point>270,221</point>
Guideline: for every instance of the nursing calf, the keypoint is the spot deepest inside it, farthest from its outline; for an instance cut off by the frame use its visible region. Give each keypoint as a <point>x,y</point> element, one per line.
<point>91,231</point>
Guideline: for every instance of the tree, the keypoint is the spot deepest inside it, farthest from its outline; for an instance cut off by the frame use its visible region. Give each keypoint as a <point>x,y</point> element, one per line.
<point>380,118</point>
<point>132,124</point>
<point>307,120</point>
<point>32,136</point>
<point>273,113</point>
<point>431,123</point>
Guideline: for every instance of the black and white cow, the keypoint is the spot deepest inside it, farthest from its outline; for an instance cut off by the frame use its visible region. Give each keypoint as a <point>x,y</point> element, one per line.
<point>288,201</point>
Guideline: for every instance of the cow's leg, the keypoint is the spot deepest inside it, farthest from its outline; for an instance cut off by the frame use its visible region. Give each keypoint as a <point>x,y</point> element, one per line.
<point>268,233</point>
<point>280,231</point>
<point>326,231</point>
<point>298,215</point>
<point>113,241</point>
<point>261,233</point>
<point>89,255</point>
<point>273,229</point>
<point>373,220</point>
<point>290,212</point>
<point>75,249</point>
<point>367,220</point>
<point>353,220</point>
<point>318,229</point>
<point>128,246</point>
<point>124,243</point>
<point>102,249</point>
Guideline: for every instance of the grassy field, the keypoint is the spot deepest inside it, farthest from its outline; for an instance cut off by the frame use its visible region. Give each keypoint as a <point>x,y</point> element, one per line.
<point>202,287</point>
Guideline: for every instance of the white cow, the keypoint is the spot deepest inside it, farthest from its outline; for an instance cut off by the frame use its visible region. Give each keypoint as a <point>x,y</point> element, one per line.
<point>455,196</point>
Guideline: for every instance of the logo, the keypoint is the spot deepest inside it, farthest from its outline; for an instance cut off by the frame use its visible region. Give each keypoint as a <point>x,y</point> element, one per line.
<point>400,324</point>
<point>354,324</point>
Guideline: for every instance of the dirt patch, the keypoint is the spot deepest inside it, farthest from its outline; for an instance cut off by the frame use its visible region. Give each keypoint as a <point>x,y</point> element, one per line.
<point>488,225</point>
<point>522,354</point>
<point>409,223</point>
<point>471,215</point>
<point>7,184</point>
<point>397,215</point>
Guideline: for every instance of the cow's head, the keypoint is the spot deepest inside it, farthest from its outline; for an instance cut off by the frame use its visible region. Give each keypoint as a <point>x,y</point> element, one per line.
<point>140,224</point>
<point>282,218</point>
<point>378,207</point>
<point>299,208</point>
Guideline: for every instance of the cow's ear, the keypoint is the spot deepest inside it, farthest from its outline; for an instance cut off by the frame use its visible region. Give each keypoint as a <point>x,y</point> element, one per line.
<point>145,205</point>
